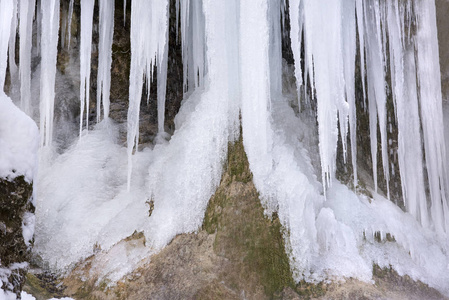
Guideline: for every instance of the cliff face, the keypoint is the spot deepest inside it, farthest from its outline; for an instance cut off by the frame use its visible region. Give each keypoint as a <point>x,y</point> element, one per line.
<point>15,213</point>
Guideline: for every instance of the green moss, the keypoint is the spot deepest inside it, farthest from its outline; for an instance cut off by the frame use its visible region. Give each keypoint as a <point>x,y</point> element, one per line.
<point>238,166</point>
<point>244,235</point>
<point>311,290</point>
<point>34,286</point>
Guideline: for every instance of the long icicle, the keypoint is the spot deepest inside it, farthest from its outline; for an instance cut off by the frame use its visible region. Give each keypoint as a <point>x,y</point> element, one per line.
<point>49,44</point>
<point>87,12</point>
<point>105,57</point>
<point>25,32</point>
<point>6,11</point>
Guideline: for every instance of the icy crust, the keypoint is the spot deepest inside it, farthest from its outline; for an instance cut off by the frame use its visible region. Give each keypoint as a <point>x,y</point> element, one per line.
<point>387,236</point>
<point>19,141</point>
<point>74,217</point>
<point>346,233</point>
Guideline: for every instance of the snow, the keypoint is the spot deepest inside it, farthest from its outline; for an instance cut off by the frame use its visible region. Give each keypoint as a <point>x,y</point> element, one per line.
<point>26,296</point>
<point>19,142</point>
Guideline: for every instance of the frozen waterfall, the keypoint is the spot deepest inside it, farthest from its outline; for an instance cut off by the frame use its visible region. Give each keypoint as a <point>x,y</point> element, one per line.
<point>370,62</point>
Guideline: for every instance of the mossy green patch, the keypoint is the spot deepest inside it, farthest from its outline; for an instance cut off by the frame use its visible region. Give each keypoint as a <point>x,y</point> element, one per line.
<point>244,235</point>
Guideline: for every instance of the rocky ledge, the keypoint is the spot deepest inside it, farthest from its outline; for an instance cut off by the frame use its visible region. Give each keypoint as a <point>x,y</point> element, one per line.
<point>16,215</point>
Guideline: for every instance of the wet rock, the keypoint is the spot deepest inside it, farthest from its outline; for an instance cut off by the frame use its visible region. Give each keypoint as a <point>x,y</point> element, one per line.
<point>15,253</point>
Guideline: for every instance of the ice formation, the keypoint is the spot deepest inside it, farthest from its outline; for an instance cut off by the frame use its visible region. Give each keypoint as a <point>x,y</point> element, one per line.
<point>87,15</point>
<point>49,44</point>
<point>105,59</point>
<point>232,65</point>
<point>149,48</point>
<point>25,32</point>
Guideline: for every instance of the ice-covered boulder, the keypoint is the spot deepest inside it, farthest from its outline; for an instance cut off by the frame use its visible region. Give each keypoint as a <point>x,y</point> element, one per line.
<point>19,140</point>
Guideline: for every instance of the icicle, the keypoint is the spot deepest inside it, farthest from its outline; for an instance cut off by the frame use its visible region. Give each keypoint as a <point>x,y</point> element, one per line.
<point>149,33</point>
<point>162,65</point>
<point>349,54</point>
<point>26,28</point>
<point>162,86</point>
<point>49,43</point>
<point>192,43</point>
<point>255,83</point>
<point>376,83</point>
<point>403,77</point>
<point>105,57</point>
<point>87,12</point>
<point>38,29</point>
<point>361,32</point>
<point>6,12</point>
<point>69,24</point>
<point>12,46</point>
<point>324,37</point>
<point>296,25</point>
<point>274,15</point>
<point>429,80</point>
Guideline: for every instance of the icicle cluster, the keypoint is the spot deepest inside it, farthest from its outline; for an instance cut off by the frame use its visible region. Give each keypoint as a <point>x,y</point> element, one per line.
<point>149,47</point>
<point>232,64</point>
<point>386,47</point>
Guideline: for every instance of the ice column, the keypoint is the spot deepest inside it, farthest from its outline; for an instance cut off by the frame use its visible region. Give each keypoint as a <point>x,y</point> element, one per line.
<point>429,81</point>
<point>255,83</point>
<point>69,23</point>
<point>296,27</point>
<point>25,32</point>
<point>6,11</point>
<point>323,25</point>
<point>149,32</point>
<point>87,12</point>
<point>49,43</point>
<point>192,43</point>
<point>403,79</point>
<point>12,43</point>
<point>105,57</point>
<point>376,84</point>
<point>274,15</point>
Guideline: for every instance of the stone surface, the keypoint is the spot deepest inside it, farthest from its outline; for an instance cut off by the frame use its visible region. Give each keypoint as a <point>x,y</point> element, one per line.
<point>14,203</point>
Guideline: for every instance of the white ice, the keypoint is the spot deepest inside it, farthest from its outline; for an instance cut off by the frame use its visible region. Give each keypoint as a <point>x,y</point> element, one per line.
<point>19,141</point>
<point>105,57</point>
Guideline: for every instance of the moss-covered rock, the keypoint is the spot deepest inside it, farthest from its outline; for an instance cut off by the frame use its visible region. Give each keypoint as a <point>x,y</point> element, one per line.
<point>244,235</point>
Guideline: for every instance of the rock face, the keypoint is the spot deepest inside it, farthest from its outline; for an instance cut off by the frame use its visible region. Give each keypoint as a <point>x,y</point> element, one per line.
<point>15,204</point>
